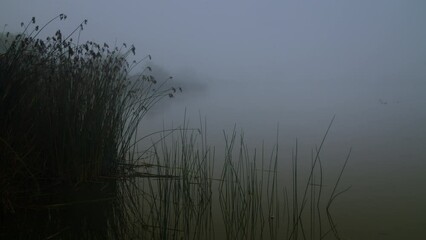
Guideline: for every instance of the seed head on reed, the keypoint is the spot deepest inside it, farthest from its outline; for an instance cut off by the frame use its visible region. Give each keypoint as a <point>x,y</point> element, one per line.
<point>68,115</point>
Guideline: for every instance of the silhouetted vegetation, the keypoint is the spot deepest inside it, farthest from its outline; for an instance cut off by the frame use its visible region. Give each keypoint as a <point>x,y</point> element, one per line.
<point>71,166</point>
<point>68,114</point>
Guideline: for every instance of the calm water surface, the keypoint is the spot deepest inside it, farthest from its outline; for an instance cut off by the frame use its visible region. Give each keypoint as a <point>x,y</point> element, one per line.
<point>384,123</point>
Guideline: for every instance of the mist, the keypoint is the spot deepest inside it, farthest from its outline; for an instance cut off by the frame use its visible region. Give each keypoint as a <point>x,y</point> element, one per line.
<point>292,66</point>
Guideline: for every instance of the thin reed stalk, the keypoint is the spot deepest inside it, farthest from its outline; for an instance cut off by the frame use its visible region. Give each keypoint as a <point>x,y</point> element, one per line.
<point>72,155</point>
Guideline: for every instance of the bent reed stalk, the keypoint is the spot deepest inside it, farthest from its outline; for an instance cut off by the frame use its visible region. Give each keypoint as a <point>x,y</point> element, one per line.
<point>71,168</point>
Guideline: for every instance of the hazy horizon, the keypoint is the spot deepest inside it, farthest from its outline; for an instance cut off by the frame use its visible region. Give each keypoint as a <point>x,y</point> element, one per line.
<point>296,64</point>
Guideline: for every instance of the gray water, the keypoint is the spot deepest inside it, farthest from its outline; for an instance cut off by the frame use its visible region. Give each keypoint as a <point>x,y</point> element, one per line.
<point>288,65</point>
<point>383,122</point>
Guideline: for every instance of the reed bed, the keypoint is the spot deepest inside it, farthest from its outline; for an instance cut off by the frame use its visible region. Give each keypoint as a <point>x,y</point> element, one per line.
<point>182,195</point>
<point>68,117</point>
<point>73,164</point>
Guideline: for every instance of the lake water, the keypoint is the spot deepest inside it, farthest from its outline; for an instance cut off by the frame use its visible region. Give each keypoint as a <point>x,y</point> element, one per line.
<point>383,121</point>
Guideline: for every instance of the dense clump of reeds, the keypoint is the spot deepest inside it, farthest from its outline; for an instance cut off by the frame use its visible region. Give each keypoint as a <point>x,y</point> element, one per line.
<point>68,115</point>
<point>70,165</point>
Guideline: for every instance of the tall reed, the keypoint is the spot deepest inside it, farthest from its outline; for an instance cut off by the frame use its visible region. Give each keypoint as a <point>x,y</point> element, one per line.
<point>73,164</point>
<point>182,195</point>
<point>68,117</point>
<point>255,201</point>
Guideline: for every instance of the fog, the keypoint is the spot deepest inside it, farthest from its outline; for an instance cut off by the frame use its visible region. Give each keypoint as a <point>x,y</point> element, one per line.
<point>291,65</point>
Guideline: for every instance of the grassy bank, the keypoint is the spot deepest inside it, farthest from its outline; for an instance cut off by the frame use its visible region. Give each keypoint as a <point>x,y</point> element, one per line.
<point>72,167</point>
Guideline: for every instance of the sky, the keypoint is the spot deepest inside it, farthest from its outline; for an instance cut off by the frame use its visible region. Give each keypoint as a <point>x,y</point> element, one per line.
<point>253,41</point>
<point>284,59</point>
